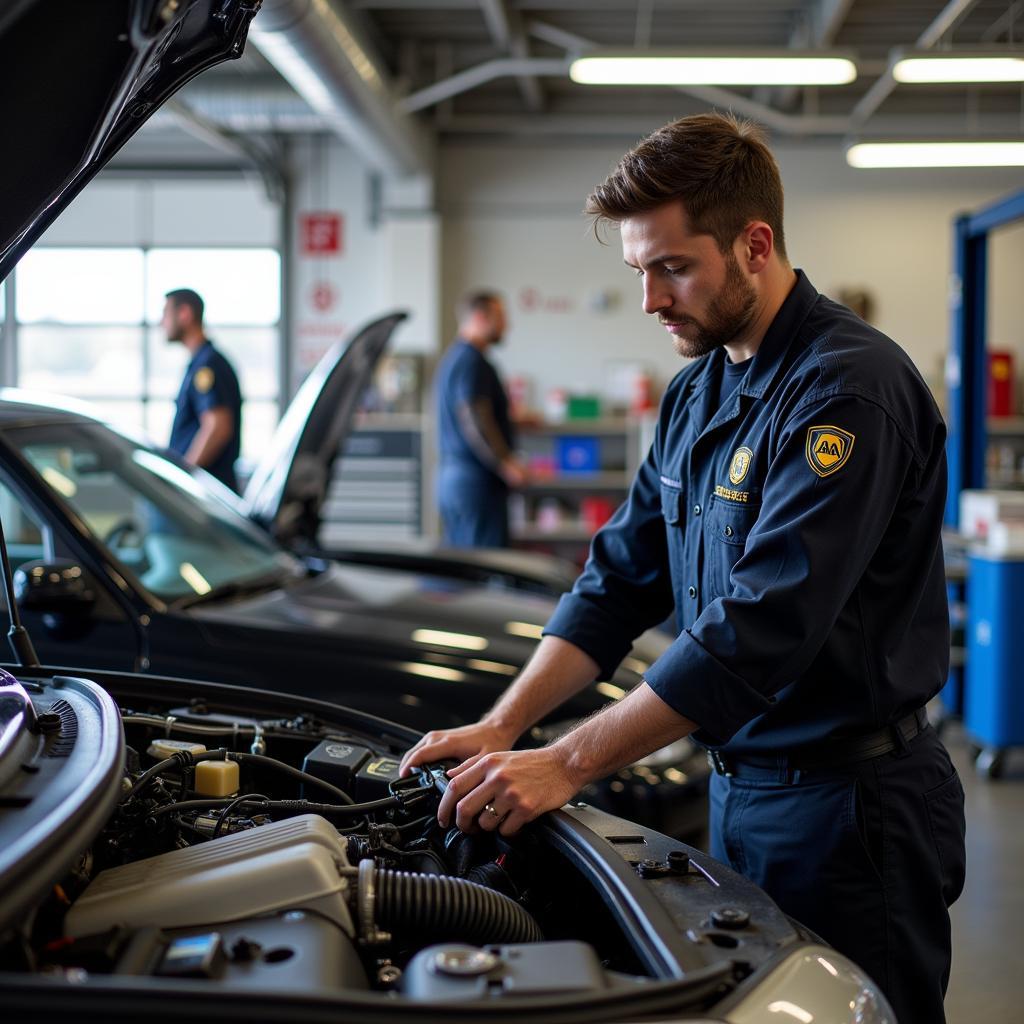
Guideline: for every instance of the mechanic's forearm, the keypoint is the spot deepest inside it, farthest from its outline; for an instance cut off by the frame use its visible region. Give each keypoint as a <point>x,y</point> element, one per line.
<point>211,438</point>
<point>482,433</point>
<point>635,726</point>
<point>557,670</point>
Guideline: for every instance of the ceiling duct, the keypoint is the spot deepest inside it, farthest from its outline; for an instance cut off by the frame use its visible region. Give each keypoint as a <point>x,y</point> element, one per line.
<point>317,48</point>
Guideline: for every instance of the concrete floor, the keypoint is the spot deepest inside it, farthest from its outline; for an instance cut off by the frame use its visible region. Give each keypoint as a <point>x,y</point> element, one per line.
<point>987,983</point>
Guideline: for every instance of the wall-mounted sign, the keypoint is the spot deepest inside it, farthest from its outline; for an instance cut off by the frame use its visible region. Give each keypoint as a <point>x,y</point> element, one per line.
<point>532,300</point>
<point>320,234</point>
<point>323,296</point>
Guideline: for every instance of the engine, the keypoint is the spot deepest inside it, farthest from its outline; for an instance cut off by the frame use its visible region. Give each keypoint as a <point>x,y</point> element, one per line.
<point>282,854</point>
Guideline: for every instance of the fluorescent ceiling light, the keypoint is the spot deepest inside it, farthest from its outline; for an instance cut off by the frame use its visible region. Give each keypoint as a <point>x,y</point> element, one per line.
<point>962,67</point>
<point>965,153</point>
<point>675,67</point>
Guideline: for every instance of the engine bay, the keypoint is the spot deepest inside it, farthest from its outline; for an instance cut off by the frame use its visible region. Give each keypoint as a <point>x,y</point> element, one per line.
<point>282,853</point>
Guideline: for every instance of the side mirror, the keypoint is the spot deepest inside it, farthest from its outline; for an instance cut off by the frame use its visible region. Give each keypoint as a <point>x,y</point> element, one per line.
<point>57,588</point>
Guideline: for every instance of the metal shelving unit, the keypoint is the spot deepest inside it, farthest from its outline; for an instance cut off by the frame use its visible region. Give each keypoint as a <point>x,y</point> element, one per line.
<point>620,443</point>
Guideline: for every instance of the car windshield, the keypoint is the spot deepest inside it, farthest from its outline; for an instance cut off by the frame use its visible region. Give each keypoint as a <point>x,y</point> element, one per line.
<point>167,528</point>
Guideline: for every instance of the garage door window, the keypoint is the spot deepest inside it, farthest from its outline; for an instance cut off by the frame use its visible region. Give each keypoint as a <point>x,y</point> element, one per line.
<point>89,327</point>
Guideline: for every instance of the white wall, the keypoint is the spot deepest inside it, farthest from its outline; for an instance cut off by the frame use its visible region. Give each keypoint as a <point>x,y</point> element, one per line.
<point>389,256</point>
<point>512,221</point>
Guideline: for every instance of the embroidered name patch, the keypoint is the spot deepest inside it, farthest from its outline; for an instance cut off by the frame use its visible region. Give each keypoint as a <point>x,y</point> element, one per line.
<point>828,449</point>
<point>730,495</point>
<point>740,465</point>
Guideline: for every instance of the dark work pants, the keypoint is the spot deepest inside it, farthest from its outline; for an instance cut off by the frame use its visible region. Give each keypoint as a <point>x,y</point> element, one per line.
<point>870,858</point>
<point>474,507</point>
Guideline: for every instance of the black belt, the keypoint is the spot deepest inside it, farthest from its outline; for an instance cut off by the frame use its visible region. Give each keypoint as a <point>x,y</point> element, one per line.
<point>826,756</point>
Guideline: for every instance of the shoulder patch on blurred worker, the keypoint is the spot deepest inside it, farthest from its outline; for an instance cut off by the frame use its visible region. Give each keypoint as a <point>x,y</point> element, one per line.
<point>740,464</point>
<point>828,449</point>
<point>203,380</point>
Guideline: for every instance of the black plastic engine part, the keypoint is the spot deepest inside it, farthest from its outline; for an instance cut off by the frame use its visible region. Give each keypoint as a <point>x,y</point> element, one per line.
<point>336,762</point>
<point>443,908</point>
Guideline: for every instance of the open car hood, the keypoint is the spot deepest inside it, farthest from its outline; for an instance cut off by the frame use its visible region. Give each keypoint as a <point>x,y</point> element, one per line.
<point>80,79</point>
<point>287,489</point>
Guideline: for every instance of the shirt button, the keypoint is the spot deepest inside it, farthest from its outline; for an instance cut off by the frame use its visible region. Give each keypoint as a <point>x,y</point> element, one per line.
<point>696,510</point>
<point>692,591</point>
<point>728,531</point>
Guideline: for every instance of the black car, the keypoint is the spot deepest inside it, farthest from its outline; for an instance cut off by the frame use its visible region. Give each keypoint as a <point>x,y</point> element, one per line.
<point>126,560</point>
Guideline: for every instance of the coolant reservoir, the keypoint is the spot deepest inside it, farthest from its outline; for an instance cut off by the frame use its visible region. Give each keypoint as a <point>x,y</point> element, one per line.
<point>216,778</point>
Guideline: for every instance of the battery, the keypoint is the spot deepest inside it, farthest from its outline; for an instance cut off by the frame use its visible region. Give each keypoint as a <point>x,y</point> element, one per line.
<point>336,762</point>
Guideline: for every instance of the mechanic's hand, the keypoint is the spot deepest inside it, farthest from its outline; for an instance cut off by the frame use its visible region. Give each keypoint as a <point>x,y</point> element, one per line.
<point>456,745</point>
<point>503,791</point>
<point>514,473</point>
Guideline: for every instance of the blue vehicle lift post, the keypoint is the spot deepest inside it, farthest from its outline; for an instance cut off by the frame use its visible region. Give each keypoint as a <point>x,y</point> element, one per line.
<point>967,378</point>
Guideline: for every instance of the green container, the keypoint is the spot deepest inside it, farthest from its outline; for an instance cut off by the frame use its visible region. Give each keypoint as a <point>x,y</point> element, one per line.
<point>583,407</point>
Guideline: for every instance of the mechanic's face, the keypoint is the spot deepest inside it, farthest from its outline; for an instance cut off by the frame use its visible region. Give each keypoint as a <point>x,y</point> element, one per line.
<point>174,321</point>
<point>701,295</point>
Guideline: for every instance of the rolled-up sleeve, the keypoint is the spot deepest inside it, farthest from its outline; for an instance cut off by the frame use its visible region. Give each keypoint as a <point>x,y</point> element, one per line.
<point>836,476</point>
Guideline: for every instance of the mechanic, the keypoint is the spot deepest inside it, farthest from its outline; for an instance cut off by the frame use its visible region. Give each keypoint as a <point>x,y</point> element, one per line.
<point>208,416</point>
<point>477,465</point>
<point>789,512</point>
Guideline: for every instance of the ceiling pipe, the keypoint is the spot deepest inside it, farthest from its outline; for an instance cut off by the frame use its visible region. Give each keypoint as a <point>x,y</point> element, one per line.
<point>879,92</point>
<point>316,47</point>
<point>463,81</point>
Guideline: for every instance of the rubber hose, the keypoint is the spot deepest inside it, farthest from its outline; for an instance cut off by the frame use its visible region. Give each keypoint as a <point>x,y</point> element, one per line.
<point>449,909</point>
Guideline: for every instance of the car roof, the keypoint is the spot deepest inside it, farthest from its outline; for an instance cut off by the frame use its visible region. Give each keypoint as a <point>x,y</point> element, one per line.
<point>20,407</point>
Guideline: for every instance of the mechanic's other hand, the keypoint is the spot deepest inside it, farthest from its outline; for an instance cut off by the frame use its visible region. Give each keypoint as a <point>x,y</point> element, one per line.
<point>506,789</point>
<point>456,744</point>
<point>514,473</point>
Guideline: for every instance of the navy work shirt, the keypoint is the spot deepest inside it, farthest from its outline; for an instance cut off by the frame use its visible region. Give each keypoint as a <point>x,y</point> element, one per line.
<point>795,530</point>
<point>209,383</point>
<point>463,377</point>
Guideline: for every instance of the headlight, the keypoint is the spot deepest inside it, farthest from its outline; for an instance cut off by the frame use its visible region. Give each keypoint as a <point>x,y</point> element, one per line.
<point>813,985</point>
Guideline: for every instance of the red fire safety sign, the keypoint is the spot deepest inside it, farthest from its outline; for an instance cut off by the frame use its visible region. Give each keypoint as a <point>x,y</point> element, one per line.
<point>320,234</point>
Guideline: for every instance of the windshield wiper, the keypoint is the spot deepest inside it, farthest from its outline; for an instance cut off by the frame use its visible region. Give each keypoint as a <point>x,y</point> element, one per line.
<point>234,588</point>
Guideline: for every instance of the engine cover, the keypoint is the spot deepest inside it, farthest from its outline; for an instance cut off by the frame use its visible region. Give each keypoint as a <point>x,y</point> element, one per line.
<point>295,864</point>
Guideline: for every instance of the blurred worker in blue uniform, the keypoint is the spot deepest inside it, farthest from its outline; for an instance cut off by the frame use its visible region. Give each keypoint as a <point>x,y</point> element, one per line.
<point>477,463</point>
<point>789,513</point>
<point>208,415</point>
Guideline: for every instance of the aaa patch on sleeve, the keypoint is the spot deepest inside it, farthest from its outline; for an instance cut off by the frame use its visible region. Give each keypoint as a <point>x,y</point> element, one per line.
<point>203,379</point>
<point>828,449</point>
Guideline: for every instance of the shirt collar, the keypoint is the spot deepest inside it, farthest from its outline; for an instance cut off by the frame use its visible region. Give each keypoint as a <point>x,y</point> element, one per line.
<point>199,351</point>
<point>773,348</point>
<point>779,336</point>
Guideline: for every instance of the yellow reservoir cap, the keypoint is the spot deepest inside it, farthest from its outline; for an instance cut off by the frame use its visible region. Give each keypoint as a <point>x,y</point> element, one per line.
<point>163,749</point>
<point>216,778</point>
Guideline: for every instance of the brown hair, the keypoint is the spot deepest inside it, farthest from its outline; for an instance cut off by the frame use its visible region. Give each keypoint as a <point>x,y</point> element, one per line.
<point>179,297</point>
<point>476,302</point>
<point>719,167</point>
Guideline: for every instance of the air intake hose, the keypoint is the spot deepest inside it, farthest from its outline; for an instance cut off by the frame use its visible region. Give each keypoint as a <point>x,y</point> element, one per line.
<point>439,907</point>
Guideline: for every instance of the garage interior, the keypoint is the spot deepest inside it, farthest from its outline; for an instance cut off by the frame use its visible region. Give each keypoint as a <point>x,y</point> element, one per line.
<point>374,156</point>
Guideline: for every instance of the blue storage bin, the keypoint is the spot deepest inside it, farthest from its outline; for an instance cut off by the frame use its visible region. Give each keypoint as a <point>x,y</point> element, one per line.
<point>994,685</point>
<point>577,454</point>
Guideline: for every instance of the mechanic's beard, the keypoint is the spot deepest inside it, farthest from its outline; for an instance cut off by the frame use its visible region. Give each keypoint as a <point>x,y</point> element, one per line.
<point>730,312</point>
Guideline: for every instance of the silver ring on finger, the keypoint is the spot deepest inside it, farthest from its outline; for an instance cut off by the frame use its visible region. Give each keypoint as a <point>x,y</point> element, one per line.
<point>489,808</point>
